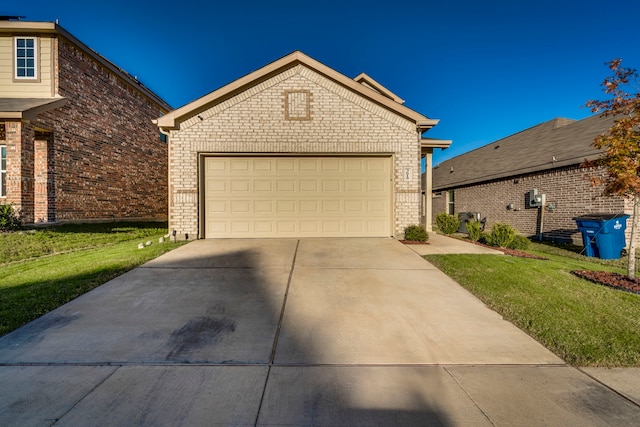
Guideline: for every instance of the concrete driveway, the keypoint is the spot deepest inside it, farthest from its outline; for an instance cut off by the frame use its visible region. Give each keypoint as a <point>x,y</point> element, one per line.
<point>290,332</point>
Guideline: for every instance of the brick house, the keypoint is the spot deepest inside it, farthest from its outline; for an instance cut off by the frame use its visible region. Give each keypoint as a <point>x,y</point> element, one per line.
<point>497,180</point>
<point>296,149</point>
<point>76,133</point>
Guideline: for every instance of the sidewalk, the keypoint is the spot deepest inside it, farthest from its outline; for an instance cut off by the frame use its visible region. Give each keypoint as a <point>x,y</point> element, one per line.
<point>442,245</point>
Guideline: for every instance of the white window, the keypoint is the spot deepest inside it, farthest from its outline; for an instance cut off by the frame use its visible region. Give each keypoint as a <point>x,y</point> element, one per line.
<point>26,58</point>
<point>3,171</point>
<point>451,205</point>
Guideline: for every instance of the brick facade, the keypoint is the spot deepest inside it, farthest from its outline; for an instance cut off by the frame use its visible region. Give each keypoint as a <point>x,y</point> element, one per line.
<point>98,157</point>
<point>567,189</point>
<point>339,121</point>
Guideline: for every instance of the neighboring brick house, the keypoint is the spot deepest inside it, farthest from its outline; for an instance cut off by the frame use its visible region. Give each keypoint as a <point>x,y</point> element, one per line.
<point>76,133</point>
<point>496,179</point>
<point>296,149</point>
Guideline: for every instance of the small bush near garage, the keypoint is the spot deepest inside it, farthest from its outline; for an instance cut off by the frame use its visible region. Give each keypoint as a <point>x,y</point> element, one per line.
<point>447,224</point>
<point>520,243</point>
<point>416,233</point>
<point>504,236</point>
<point>501,235</point>
<point>474,228</point>
<point>9,219</point>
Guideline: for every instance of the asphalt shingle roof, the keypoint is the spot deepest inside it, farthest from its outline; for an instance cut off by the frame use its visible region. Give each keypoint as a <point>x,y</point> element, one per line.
<point>549,145</point>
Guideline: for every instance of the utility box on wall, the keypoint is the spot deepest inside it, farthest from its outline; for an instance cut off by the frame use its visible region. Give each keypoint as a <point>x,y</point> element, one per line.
<point>536,199</point>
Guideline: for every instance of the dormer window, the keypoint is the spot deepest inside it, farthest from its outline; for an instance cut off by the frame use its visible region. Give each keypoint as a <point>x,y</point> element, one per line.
<point>26,58</point>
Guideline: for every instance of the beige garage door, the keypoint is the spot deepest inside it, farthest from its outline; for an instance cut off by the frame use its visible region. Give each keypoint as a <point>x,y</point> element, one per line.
<point>297,197</point>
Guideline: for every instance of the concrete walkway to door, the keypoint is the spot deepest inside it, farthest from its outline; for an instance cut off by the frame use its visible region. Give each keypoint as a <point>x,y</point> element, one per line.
<point>290,332</point>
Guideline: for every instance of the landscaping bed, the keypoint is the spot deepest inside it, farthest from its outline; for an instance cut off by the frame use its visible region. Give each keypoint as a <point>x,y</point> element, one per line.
<point>613,280</point>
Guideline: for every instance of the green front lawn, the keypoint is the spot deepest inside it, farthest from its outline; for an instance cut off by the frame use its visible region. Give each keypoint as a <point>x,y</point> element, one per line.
<point>583,323</point>
<point>42,270</point>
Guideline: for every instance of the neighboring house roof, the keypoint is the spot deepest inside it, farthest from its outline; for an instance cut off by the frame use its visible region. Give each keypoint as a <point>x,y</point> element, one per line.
<point>32,28</point>
<point>28,108</point>
<point>553,144</point>
<point>365,86</point>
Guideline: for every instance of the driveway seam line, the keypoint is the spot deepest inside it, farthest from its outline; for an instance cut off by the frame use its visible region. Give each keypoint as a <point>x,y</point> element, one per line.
<point>468,395</point>
<point>277,336</point>
<point>86,395</point>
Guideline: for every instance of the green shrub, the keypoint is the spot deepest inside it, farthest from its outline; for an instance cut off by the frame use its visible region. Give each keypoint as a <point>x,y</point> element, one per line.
<point>416,233</point>
<point>9,219</point>
<point>501,235</point>
<point>485,238</point>
<point>520,243</point>
<point>447,224</point>
<point>474,228</point>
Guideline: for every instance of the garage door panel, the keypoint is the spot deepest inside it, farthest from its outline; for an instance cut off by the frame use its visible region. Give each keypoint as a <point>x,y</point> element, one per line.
<point>309,185</point>
<point>353,165</point>
<point>309,226</point>
<point>263,165</point>
<point>330,165</point>
<point>264,207</point>
<point>286,185</point>
<point>331,185</point>
<point>353,186</point>
<point>286,226</point>
<point>332,226</point>
<point>309,206</point>
<point>297,196</point>
<point>240,207</point>
<point>240,186</point>
<point>309,165</point>
<point>217,207</point>
<point>218,185</point>
<point>240,165</point>
<point>353,206</point>
<point>376,186</point>
<point>285,165</point>
<point>263,228</point>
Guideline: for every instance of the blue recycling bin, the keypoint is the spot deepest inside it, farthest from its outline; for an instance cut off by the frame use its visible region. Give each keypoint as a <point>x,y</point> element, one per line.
<point>603,234</point>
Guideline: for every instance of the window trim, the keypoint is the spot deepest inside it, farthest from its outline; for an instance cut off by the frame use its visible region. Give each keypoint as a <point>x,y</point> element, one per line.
<point>3,172</point>
<point>36,60</point>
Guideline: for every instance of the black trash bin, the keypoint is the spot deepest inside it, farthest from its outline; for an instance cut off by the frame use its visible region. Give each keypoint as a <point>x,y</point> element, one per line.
<point>603,234</point>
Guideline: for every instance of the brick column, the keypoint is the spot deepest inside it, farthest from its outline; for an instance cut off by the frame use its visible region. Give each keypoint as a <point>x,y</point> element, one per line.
<point>44,196</point>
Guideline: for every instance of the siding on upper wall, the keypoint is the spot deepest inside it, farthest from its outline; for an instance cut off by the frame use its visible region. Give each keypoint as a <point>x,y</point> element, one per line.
<point>43,88</point>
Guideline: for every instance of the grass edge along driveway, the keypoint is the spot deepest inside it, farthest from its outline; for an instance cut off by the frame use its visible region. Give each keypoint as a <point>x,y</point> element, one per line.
<point>583,323</point>
<point>31,288</point>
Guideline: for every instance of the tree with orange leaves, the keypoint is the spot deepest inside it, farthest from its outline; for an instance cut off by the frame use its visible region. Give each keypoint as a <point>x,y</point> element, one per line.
<point>621,144</point>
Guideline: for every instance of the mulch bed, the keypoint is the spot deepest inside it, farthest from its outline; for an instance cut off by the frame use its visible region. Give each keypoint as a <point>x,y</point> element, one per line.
<point>613,280</point>
<point>413,242</point>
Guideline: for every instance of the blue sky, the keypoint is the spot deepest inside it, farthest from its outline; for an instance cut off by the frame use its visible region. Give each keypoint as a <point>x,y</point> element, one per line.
<point>486,69</point>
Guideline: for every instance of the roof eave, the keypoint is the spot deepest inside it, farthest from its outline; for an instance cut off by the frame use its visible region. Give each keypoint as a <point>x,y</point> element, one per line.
<point>32,113</point>
<point>516,173</point>
<point>435,143</point>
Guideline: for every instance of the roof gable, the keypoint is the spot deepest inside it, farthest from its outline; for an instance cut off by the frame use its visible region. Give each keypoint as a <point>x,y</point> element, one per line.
<point>553,144</point>
<point>373,91</point>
